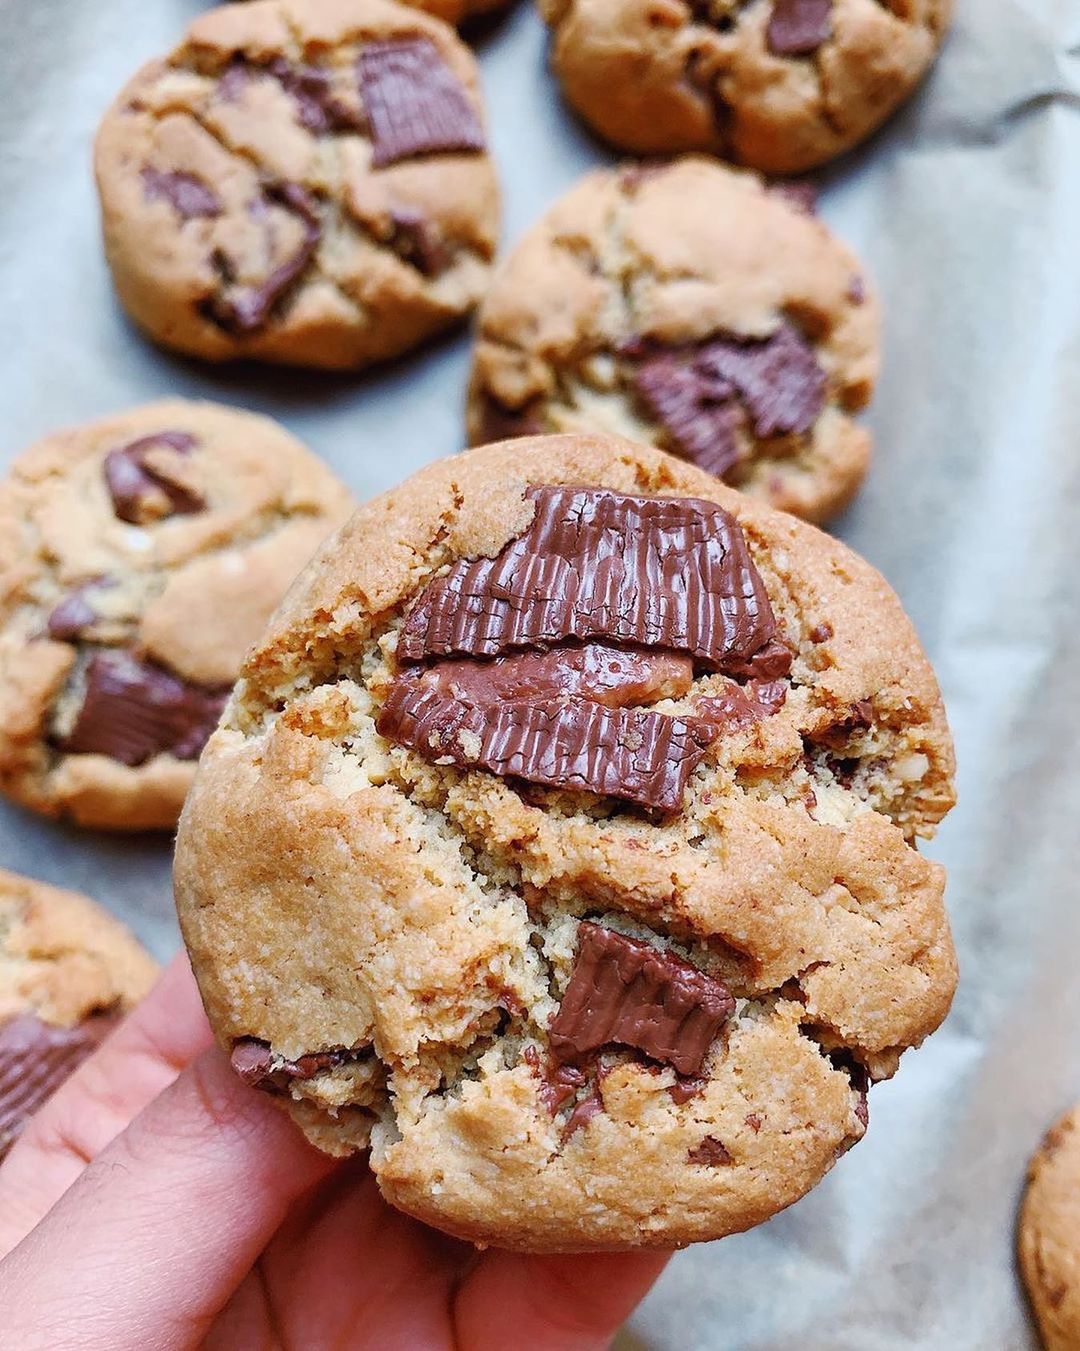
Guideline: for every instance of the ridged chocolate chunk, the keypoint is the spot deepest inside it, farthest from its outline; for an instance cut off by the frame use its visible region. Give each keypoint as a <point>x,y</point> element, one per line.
<point>188,196</point>
<point>743,705</point>
<point>414,102</point>
<point>142,486</point>
<point>625,992</point>
<point>35,1059</point>
<point>311,90</point>
<point>627,753</point>
<point>798,27</point>
<point>133,710</point>
<point>255,1063</point>
<point>662,572</point>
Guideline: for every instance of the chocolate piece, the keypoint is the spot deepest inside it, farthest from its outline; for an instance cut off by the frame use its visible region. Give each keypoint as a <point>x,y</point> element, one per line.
<point>741,706</point>
<point>35,1059</point>
<point>648,571</point>
<point>772,662</point>
<point>418,241</point>
<point>699,412</point>
<point>74,613</point>
<point>754,1122</point>
<point>821,633</point>
<point>630,993</point>
<point>242,309</point>
<point>133,710</point>
<point>637,755</point>
<point>856,291</point>
<point>798,27</point>
<point>686,1087</point>
<point>143,491</point>
<point>558,1083</point>
<point>499,423</point>
<point>414,102</point>
<point>798,193</point>
<point>617,677</point>
<point>711,1153</point>
<point>188,196</point>
<point>257,1065</point>
<point>311,89</point>
<point>583,1113</point>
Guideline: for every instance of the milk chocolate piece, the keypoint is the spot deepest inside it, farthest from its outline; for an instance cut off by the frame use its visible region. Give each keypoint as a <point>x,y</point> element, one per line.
<point>699,412</point>
<point>584,1111</point>
<point>188,196</point>
<point>257,1065</point>
<point>741,706</point>
<point>633,754</point>
<point>499,423</point>
<point>798,27</point>
<point>418,241</point>
<point>133,710</point>
<point>558,1083</point>
<point>414,102</point>
<point>35,1059</point>
<point>627,992</point>
<point>69,619</point>
<point>661,572</point>
<point>711,1153</point>
<point>798,193</point>
<point>311,89</point>
<point>141,487</point>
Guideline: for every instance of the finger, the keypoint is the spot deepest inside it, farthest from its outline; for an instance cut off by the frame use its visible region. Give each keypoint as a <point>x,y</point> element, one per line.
<point>558,1303</point>
<point>156,1234</point>
<point>143,1056</point>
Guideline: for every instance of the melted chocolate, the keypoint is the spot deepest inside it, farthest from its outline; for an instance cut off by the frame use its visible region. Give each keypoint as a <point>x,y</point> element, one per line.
<point>188,196</point>
<point>143,492</point>
<point>741,706</point>
<point>257,1065</point>
<point>415,104</point>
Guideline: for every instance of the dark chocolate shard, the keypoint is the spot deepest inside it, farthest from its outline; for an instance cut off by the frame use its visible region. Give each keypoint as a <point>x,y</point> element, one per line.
<point>133,710</point>
<point>618,677</point>
<point>72,616</point>
<point>575,744</point>
<point>798,27</point>
<point>626,992</point>
<point>244,309</point>
<point>140,484</point>
<point>311,89</point>
<point>742,705</point>
<point>414,103</point>
<point>418,241</point>
<point>665,572</point>
<point>188,195</point>
<point>710,1153</point>
<point>35,1059</point>
<point>256,1063</point>
<point>798,193</point>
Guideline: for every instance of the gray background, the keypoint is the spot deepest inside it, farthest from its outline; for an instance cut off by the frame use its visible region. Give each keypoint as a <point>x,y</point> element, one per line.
<point>966,210</point>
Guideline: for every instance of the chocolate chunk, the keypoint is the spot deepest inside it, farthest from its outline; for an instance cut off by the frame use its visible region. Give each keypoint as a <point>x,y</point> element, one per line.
<point>772,662</point>
<point>583,1113</point>
<point>499,423</point>
<point>618,677</point>
<point>754,1122</point>
<point>821,633</point>
<point>242,309</point>
<point>189,196</point>
<point>633,754</point>
<point>711,1153</point>
<point>311,89</point>
<point>648,571</point>
<point>416,240</point>
<point>798,193</point>
<point>798,27</point>
<point>257,1065</point>
<point>627,992</point>
<point>141,486</point>
<point>35,1059</point>
<point>133,710</point>
<point>74,614</point>
<point>741,706</point>
<point>686,1087</point>
<point>558,1083</point>
<point>856,291</point>
<point>698,411</point>
<point>414,102</point>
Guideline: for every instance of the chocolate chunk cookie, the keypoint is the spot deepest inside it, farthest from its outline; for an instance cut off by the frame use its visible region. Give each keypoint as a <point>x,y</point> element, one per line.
<point>1050,1235</point>
<point>302,181</point>
<point>781,85</point>
<point>140,557</point>
<point>68,973</point>
<point>457,11</point>
<point>687,305</point>
<point>558,845</point>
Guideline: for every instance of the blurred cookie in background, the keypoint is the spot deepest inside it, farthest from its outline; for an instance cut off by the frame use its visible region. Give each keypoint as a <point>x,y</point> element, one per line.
<point>687,305</point>
<point>68,973</point>
<point>1050,1234</point>
<point>300,181</point>
<point>140,557</point>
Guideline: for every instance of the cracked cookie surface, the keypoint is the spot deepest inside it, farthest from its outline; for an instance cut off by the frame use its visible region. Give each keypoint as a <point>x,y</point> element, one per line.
<point>686,305</point>
<point>779,85</point>
<point>68,972</point>
<point>1049,1237</point>
<point>576,1016</point>
<point>300,181</point>
<point>140,558</point>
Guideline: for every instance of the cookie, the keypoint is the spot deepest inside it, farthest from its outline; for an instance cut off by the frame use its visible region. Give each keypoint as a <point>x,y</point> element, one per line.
<point>780,85</point>
<point>1049,1238</point>
<point>458,11</point>
<point>689,306</point>
<point>558,846</point>
<point>301,181</point>
<point>140,557</point>
<point>68,972</point>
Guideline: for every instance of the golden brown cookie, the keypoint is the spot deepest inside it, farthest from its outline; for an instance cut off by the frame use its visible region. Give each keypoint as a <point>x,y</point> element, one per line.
<point>780,85</point>
<point>140,557</point>
<point>1050,1234</point>
<point>302,181</point>
<point>68,972</point>
<point>457,11</point>
<point>558,843</point>
<point>689,306</point>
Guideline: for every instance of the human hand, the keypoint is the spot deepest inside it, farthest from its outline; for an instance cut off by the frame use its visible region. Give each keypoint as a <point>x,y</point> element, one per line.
<point>158,1202</point>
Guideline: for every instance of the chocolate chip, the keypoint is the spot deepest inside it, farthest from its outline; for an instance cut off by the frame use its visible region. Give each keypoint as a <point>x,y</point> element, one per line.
<point>74,614</point>
<point>311,89</point>
<point>686,1087</point>
<point>754,1122</point>
<point>189,196</point>
<point>821,633</point>
<point>798,194</point>
<point>142,488</point>
<point>559,1083</point>
<point>583,1113</point>
<point>419,242</point>
<point>798,27</point>
<point>255,1063</point>
<point>133,710</point>
<point>740,706</point>
<point>665,572</point>
<point>499,423</point>
<point>414,102</point>
<point>710,1153</point>
<point>633,754</point>
<point>626,992</point>
<point>35,1059</point>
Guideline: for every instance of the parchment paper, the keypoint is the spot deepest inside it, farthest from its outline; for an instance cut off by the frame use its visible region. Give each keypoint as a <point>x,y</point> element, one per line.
<point>966,210</point>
